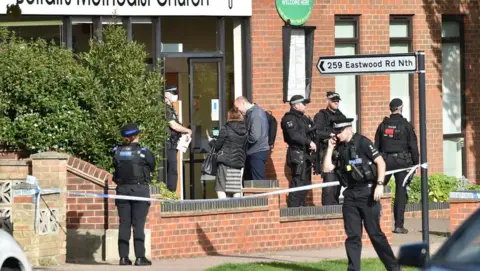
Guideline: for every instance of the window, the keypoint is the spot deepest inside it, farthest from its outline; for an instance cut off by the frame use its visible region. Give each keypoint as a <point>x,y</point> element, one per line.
<point>347,43</point>
<point>401,84</point>
<point>453,96</point>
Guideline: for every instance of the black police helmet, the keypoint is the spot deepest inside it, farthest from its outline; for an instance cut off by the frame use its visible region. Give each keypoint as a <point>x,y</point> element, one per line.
<point>130,129</point>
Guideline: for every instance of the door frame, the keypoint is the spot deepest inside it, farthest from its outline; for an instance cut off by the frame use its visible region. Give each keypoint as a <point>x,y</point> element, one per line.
<point>222,107</point>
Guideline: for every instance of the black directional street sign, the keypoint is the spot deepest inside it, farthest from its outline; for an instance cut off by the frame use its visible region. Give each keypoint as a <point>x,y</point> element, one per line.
<point>367,64</point>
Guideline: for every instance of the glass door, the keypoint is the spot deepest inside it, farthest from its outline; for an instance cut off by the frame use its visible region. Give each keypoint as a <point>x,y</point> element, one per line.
<point>206,113</point>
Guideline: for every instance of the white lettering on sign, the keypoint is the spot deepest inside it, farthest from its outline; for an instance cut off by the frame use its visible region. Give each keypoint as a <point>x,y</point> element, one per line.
<point>296,2</point>
<point>133,7</point>
<point>368,64</point>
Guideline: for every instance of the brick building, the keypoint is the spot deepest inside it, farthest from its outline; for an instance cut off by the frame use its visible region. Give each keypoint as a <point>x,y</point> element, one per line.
<point>218,50</point>
<point>448,33</point>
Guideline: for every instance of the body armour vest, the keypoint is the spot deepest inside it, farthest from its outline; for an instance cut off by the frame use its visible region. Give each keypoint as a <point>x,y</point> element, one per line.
<point>394,135</point>
<point>131,166</point>
<point>354,167</point>
<point>173,136</point>
<point>331,118</point>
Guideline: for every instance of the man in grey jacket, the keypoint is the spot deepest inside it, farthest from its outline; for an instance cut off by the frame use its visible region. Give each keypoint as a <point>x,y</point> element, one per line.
<point>257,143</point>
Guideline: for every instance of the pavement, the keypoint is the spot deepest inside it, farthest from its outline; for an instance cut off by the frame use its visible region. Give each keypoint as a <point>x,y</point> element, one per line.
<point>438,230</point>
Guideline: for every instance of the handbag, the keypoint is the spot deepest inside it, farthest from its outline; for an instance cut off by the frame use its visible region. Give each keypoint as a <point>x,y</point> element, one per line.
<point>209,166</point>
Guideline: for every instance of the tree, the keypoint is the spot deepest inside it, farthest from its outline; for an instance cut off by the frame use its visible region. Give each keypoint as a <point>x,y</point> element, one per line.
<point>51,101</point>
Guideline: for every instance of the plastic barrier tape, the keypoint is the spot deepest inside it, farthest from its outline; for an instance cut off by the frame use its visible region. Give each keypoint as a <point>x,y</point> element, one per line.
<point>278,192</point>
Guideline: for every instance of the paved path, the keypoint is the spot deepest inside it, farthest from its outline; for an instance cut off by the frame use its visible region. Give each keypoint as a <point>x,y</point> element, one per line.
<point>202,263</point>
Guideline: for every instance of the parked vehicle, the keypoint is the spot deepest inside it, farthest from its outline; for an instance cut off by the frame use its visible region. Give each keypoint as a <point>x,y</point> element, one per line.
<point>12,257</point>
<point>460,252</point>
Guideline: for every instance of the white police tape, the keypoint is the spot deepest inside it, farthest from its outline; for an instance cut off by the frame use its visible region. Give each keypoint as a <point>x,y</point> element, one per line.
<point>277,192</point>
<point>411,171</point>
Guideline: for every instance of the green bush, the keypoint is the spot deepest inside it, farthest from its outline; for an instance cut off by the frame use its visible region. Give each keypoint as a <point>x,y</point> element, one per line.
<point>54,100</point>
<point>129,93</point>
<point>41,98</point>
<point>439,188</point>
<point>166,194</point>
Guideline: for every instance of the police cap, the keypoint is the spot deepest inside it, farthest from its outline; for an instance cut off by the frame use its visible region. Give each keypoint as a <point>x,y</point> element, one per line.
<point>340,124</point>
<point>130,129</point>
<point>297,99</point>
<point>333,96</point>
<point>396,103</point>
<point>172,89</point>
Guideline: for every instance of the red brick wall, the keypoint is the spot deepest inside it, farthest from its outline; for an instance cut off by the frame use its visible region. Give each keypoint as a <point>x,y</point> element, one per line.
<point>88,212</point>
<point>176,235</point>
<point>375,89</point>
<point>436,214</point>
<point>460,210</point>
<point>246,230</point>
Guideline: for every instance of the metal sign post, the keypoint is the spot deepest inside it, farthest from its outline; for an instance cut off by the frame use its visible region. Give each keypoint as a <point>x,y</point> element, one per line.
<point>423,146</point>
<point>390,63</point>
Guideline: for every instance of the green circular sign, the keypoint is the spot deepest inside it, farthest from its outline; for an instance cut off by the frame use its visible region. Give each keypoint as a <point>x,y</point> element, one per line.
<point>294,12</point>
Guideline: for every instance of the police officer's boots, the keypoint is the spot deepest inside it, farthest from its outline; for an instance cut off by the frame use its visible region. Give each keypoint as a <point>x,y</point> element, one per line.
<point>125,261</point>
<point>143,261</point>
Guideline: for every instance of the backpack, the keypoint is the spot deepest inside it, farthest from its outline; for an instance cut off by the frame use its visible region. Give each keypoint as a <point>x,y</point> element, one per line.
<point>272,128</point>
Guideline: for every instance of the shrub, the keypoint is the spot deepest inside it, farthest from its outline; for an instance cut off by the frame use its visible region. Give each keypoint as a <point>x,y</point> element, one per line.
<point>129,93</point>
<point>52,99</point>
<point>41,97</point>
<point>439,188</point>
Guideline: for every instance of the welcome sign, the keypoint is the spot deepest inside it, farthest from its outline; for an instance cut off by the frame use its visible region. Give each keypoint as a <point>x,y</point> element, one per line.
<point>132,7</point>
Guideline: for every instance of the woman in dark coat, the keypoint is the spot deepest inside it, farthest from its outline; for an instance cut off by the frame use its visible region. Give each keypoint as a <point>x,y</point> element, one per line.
<point>230,147</point>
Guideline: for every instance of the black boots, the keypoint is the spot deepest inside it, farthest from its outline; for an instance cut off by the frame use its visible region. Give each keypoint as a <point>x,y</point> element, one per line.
<point>139,261</point>
<point>143,261</point>
<point>125,261</point>
<point>400,230</point>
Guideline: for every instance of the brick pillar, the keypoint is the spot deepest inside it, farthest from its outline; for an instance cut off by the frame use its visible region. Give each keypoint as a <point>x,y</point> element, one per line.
<point>47,246</point>
<point>462,208</point>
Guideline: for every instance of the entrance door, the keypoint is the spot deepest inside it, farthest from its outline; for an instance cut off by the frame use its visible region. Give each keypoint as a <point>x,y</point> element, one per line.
<point>206,113</point>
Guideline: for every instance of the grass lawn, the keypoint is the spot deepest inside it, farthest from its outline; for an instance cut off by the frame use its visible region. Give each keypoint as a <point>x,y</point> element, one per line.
<point>339,265</point>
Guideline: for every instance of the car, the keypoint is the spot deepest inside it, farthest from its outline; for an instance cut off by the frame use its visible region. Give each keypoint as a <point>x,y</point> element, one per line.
<point>460,252</point>
<point>12,257</point>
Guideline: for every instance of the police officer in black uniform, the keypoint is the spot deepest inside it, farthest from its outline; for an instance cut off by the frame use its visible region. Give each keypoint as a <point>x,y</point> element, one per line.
<point>396,140</point>
<point>133,165</point>
<point>296,129</point>
<point>323,121</point>
<point>174,132</point>
<point>360,168</point>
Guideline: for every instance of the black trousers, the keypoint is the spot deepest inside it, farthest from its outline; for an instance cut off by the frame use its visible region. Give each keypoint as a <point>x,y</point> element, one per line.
<point>301,176</point>
<point>172,172</point>
<point>401,196</point>
<point>331,194</point>
<point>132,213</point>
<point>360,209</point>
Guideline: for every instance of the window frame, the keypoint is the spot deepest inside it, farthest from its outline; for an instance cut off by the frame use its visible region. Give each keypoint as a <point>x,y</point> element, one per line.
<point>355,41</point>
<point>461,41</point>
<point>409,39</point>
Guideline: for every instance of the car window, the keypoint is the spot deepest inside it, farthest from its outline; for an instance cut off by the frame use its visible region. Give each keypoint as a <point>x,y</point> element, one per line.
<point>465,251</point>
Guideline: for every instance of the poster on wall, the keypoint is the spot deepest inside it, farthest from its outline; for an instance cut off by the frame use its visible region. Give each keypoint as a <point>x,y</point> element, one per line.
<point>296,70</point>
<point>132,7</point>
<point>297,61</point>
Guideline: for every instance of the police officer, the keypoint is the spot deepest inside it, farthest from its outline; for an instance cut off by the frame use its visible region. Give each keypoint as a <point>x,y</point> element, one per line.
<point>396,140</point>
<point>174,132</point>
<point>133,165</point>
<point>361,168</point>
<point>323,121</point>
<point>296,127</point>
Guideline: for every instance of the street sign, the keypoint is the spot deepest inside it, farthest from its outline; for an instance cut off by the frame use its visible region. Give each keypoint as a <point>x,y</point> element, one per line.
<point>365,64</point>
